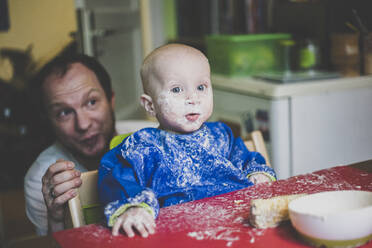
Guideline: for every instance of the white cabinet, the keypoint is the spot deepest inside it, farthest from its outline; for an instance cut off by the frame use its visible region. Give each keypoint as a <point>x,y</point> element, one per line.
<point>308,125</point>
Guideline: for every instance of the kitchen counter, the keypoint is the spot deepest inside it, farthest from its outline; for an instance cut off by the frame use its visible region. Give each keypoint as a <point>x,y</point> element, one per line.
<point>274,90</point>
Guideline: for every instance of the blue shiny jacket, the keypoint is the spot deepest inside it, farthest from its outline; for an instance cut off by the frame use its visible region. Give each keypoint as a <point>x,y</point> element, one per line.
<point>160,169</point>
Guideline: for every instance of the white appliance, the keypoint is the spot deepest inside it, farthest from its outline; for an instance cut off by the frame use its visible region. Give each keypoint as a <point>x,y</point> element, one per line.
<point>114,32</point>
<point>308,126</point>
<point>110,31</point>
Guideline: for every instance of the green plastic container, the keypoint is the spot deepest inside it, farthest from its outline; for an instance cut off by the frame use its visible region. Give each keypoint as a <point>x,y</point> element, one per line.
<point>245,55</point>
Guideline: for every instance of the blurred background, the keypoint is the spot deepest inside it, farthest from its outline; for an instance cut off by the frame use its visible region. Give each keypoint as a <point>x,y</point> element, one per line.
<point>298,70</point>
<point>329,38</point>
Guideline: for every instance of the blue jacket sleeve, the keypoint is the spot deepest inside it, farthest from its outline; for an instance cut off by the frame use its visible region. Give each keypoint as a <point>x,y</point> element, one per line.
<point>122,183</point>
<point>248,162</point>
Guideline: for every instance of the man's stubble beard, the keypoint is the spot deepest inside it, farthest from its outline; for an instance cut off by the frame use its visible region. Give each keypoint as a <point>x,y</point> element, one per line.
<point>95,159</point>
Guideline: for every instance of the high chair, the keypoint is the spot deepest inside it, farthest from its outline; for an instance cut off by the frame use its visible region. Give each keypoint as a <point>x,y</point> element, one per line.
<point>85,208</point>
<point>255,142</point>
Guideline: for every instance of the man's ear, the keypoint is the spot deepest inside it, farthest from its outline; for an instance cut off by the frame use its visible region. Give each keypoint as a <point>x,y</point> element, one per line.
<point>146,102</point>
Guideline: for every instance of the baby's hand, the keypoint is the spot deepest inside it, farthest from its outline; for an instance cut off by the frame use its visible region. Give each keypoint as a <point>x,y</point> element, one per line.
<point>259,178</point>
<point>135,218</point>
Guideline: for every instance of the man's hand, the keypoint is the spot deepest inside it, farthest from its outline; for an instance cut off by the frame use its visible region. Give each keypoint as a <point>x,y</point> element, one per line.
<point>60,182</point>
<point>135,218</point>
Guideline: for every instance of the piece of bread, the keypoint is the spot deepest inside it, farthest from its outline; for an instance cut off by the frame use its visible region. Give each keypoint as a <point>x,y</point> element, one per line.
<point>270,212</point>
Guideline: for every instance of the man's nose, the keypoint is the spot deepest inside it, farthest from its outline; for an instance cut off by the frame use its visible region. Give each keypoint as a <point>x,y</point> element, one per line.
<point>83,121</point>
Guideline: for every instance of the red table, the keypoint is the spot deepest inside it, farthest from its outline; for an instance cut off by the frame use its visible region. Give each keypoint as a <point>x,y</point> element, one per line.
<point>221,221</point>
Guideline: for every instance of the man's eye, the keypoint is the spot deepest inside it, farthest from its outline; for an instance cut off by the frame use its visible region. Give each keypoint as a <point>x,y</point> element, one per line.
<point>176,90</point>
<point>201,87</point>
<point>63,113</point>
<point>92,102</point>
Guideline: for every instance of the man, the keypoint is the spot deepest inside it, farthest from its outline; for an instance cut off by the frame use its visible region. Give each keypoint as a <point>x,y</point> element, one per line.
<point>75,96</point>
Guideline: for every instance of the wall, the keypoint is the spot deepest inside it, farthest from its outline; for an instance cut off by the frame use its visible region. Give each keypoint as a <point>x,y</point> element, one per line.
<point>46,25</point>
<point>43,23</point>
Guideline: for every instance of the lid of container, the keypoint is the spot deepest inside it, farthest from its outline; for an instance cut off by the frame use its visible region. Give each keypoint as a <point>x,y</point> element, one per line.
<point>249,37</point>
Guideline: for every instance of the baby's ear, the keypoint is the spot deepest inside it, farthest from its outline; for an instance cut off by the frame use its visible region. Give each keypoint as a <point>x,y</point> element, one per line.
<point>146,102</point>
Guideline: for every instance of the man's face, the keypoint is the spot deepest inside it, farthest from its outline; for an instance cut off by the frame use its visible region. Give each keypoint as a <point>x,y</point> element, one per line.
<point>80,113</point>
<point>182,93</point>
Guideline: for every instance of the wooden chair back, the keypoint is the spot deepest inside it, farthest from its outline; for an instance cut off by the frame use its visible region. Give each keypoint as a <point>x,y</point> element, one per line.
<point>255,142</point>
<point>85,207</point>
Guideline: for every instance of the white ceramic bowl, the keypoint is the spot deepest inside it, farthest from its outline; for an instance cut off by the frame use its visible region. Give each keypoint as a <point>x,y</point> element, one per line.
<point>334,218</point>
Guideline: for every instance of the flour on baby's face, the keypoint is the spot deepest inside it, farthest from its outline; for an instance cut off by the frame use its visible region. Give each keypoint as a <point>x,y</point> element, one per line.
<point>182,95</point>
<point>183,114</point>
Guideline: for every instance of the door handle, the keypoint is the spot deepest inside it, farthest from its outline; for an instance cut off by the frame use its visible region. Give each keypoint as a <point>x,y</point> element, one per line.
<point>99,33</point>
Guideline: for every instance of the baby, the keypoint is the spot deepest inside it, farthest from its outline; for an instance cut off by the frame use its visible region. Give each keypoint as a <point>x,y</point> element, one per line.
<point>185,158</point>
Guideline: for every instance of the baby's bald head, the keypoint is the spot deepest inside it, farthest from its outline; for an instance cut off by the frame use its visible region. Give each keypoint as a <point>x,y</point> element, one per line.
<point>156,63</point>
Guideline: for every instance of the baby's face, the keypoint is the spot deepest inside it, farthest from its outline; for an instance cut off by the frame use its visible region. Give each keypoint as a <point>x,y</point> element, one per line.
<point>182,93</point>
